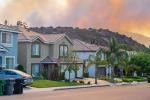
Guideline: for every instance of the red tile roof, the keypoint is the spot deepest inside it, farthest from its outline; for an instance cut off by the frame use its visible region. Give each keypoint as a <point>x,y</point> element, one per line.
<point>29,36</point>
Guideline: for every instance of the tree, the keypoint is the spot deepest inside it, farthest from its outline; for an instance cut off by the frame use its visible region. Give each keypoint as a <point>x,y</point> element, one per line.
<point>96,60</point>
<point>114,55</point>
<point>143,61</point>
<point>71,63</point>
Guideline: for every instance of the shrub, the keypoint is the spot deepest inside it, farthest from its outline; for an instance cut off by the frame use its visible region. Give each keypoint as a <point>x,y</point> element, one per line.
<point>127,80</point>
<point>38,76</point>
<point>86,75</point>
<point>105,78</point>
<point>89,82</point>
<point>21,68</point>
<point>81,81</point>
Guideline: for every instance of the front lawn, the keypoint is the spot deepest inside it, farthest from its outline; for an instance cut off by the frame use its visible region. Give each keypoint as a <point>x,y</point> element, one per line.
<point>49,83</point>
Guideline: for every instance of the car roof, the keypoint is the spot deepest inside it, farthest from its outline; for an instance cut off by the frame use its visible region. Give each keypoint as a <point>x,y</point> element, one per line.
<point>18,72</point>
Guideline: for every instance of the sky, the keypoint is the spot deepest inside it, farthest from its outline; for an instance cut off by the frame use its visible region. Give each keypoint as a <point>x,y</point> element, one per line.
<point>130,16</point>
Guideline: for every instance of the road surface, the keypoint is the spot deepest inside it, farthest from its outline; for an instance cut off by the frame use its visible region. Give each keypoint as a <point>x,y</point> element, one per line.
<point>138,92</point>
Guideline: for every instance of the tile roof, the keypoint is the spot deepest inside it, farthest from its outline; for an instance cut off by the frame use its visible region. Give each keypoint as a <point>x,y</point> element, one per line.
<point>86,47</point>
<point>9,28</point>
<point>29,36</point>
<point>83,46</point>
<point>51,60</point>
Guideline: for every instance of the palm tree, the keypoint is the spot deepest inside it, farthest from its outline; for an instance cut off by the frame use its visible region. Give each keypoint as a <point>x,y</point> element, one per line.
<point>96,60</point>
<point>114,54</point>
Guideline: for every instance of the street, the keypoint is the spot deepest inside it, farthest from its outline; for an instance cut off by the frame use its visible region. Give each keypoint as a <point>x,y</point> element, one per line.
<point>136,92</point>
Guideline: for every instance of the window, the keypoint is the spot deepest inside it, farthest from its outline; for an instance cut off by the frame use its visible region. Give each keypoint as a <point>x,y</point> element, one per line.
<point>10,73</point>
<point>35,69</point>
<point>6,39</point>
<point>36,49</point>
<point>63,50</point>
<point>9,62</point>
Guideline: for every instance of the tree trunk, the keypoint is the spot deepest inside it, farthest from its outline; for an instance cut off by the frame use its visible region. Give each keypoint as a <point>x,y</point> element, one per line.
<point>112,73</point>
<point>96,74</point>
<point>69,76</point>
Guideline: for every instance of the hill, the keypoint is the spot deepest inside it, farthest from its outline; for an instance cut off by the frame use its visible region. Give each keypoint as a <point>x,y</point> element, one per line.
<point>96,36</point>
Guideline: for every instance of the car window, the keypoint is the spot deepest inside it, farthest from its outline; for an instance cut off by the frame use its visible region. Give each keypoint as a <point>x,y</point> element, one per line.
<point>1,72</point>
<point>10,73</point>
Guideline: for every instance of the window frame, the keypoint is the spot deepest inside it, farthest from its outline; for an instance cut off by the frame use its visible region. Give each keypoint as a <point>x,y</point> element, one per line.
<point>63,54</point>
<point>13,61</point>
<point>32,66</point>
<point>36,56</point>
<point>11,37</point>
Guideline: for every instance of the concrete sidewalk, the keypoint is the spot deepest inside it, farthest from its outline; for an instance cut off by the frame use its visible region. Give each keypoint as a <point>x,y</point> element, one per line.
<point>101,83</point>
<point>32,89</point>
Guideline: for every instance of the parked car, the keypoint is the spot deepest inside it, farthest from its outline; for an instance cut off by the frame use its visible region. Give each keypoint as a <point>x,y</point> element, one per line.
<point>16,74</point>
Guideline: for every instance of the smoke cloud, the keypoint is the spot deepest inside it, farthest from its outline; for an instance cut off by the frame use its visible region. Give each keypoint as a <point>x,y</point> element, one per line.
<point>118,15</point>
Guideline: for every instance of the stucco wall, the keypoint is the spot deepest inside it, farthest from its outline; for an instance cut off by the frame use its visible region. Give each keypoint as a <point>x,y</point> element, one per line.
<point>56,46</point>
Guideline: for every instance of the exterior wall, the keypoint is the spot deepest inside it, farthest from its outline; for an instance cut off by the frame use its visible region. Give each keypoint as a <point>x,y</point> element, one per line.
<point>85,56</point>
<point>22,54</point>
<point>56,46</point>
<point>91,69</point>
<point>72,74</point>
<point>12,51</point>
<point>25,57</point>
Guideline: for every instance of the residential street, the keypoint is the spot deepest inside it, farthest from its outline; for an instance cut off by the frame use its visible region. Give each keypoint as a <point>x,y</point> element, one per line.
<point>138,92</point>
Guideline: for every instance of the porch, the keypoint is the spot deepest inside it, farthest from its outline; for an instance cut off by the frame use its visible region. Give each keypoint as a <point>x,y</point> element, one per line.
<point>56,69</point>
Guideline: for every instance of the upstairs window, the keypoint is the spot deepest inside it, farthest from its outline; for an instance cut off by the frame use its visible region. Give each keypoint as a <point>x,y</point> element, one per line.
<point>6,38</point>
<point>36,49</point>
<point>63,50</point>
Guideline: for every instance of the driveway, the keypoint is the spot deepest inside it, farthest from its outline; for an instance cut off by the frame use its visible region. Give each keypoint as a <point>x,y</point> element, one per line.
<point>136,92</point>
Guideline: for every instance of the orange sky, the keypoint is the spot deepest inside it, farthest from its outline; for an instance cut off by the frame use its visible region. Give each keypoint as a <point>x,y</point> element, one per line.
<point>117,15</point>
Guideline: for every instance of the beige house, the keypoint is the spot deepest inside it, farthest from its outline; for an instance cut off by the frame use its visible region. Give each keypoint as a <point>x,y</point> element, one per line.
<point>43,52</point>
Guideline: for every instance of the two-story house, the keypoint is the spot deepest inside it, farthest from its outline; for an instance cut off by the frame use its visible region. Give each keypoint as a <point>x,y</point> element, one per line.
<point>8,46</point>
<point>44,53</point>
<point>84,50</point>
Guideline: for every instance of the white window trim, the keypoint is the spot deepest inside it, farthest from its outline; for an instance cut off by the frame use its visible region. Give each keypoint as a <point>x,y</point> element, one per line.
<point>6,44</point>
<point>10,57</point>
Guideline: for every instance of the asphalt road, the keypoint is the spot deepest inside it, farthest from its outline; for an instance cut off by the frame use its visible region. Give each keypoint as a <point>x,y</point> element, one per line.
<point>138,92</point>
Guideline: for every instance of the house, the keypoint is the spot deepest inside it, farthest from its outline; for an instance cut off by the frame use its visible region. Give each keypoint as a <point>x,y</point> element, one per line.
<point>84,50</point>
<point>8,46</point>
<point>45,53</point>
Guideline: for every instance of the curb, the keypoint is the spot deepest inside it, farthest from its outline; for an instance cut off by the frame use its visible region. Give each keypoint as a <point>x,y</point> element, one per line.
<point>79,87</point>
<point>82,86</point>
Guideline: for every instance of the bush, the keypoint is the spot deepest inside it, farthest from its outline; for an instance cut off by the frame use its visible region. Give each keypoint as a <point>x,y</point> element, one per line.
<point>86,75</point>
<point>105,78</point>
<point>38,76</point>
<point>127,80</point>
<point>89,82</point>
<point>81,81</point>
<point>21,68</point>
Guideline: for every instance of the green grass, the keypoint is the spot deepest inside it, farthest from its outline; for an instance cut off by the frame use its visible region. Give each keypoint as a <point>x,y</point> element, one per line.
<point>137,79</point>
<point>49,83</point>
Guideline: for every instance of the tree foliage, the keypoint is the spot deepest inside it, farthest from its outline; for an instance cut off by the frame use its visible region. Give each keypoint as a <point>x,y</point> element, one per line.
<point>143,61</point>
